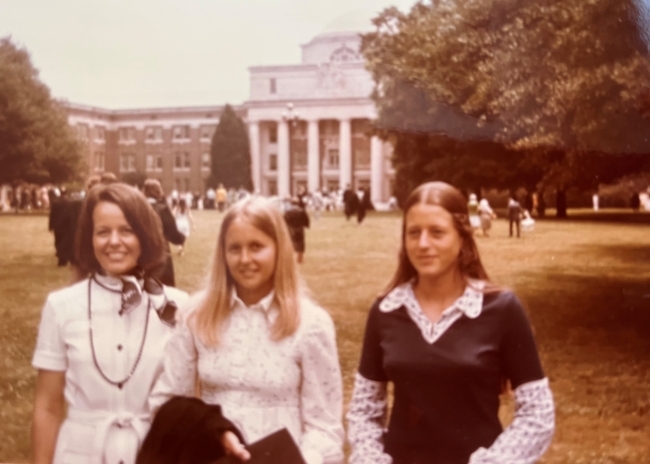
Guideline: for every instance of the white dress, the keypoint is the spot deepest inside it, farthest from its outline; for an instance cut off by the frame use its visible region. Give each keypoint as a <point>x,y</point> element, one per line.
<point>183,223</point>
<point>104,424</point>
<point>264,385</point>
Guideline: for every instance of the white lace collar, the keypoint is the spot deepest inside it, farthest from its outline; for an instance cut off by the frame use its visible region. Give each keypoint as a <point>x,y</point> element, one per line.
<point>470,302</point>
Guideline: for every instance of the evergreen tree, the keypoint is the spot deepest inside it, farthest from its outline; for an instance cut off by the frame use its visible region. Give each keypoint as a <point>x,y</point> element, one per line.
<point>36,143</point>
<point>230,152</point>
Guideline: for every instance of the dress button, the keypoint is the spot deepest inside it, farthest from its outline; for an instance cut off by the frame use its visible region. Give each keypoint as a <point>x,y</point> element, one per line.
<point>119,347</point>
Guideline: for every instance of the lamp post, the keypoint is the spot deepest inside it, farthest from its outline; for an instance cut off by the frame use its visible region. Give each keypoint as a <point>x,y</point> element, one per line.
<point>290,115</point>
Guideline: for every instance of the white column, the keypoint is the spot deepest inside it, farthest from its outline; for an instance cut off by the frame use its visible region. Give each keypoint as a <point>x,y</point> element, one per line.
<point>376,170</point>
<point>313,156</point>
<point>256,160</point>
<point>283,159</point>
<point>345,153</point>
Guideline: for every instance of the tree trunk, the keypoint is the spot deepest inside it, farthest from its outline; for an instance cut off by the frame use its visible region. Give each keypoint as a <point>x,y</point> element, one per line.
<point>541,204</point>
<point>560,203</point>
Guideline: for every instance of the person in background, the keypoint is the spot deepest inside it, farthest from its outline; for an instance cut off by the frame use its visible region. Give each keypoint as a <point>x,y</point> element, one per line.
<point>156,197</point>
<point>101,341</point>
<point>209,198</point>
<point>184,222</point>
<point>317,204</point>
<point>485,214</point>
<point>350,202</point>
<point>364,204</point>
<point>259,347</point>
<point>472,207</point>
<point>449,341</point>
<point>514,214</point>
<point>222,197</point>
<point>297,220</point>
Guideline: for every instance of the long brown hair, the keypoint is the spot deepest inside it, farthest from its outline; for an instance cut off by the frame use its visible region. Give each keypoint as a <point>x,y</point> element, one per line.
<point>448,197</point>
<point>213,303</point>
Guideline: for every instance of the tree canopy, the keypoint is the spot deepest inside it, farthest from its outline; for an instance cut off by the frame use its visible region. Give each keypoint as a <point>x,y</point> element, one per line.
<point>534,89</point>
<point>36,143</point>
<point>230,152</point>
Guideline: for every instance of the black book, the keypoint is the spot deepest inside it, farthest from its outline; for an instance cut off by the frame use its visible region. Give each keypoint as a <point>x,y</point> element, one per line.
<point>277,448</point>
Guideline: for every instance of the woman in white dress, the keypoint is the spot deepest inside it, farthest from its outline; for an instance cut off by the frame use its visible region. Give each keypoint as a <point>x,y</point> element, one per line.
<point>184,221</point>
<point>258,346</point>
<point>486,214</point>
<point>101,340</point>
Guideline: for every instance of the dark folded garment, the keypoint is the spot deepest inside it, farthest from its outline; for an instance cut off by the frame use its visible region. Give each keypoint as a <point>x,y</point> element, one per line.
<point>277,448</point>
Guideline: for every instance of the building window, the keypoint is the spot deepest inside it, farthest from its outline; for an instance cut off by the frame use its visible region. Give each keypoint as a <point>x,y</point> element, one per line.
<point>127,162</point>
<point>332,185</point>
<point>333,158</point>
<point>154,134</point>
<point>273,187</point>
<point>207,132</point>
<point>272,85</point>
<point>361,158</point>
<point>99,161</point>
<point>299,159</point>
<point>273,162</point>
<point>205,161</point>
<point>181,132</point>
<point>182,161</point>
<point>100,133</point>
<point>187,185</point>
<point>154,163</point>
<point>82,131</point>
<point>126,134</point>
<point>273,133</point>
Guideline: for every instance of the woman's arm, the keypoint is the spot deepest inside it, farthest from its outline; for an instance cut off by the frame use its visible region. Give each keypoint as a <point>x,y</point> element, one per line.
<point>526,439</point>
<point>49,410</point>
<point>179,374</point>
<point>321,393</point>
<point>531,430</point>
<point>366,419</point>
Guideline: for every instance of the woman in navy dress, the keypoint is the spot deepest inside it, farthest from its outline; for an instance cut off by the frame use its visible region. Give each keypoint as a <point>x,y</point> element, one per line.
<point>449,341</point>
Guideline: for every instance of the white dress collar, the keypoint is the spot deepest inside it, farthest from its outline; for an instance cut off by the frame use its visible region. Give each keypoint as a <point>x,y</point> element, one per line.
<point>470,302</point>
<point>265,304</point>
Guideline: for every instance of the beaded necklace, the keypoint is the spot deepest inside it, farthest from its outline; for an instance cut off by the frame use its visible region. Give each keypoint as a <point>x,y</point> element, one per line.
<point>118,384</point>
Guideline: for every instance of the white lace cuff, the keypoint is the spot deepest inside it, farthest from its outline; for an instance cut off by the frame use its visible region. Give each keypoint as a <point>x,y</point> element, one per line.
<point>529,434</point>
<point>366,419</point>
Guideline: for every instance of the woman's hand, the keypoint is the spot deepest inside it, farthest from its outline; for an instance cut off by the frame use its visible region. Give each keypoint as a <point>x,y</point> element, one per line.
<point>233,446</point>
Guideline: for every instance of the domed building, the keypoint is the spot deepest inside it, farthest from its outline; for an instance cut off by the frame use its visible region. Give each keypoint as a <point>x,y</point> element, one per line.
<point>309,122</point>
<point>309,126</point>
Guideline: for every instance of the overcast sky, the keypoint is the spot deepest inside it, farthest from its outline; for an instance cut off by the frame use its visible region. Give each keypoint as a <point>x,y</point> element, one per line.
<point>148,53</point>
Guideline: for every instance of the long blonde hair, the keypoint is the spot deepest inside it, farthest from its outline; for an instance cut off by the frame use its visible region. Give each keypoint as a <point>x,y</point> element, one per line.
<point>449,198</point>
<point>213,303</point>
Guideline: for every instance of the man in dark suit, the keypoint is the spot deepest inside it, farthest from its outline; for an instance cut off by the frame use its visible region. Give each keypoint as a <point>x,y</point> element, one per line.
<point>350,202</point>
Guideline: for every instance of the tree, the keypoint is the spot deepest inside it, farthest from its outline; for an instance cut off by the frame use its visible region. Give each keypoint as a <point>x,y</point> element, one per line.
<point>555,81</point>
<point>36,143</point>
<point>230,152</point>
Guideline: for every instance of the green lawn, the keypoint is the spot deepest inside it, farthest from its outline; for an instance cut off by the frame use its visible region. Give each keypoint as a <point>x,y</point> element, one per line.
<point>586,285</point>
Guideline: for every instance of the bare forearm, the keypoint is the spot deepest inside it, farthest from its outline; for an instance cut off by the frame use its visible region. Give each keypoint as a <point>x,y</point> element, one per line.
<point>45,431</point>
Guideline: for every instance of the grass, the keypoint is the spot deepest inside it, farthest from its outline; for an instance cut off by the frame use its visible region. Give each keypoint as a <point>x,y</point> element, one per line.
<point>585,284</point>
